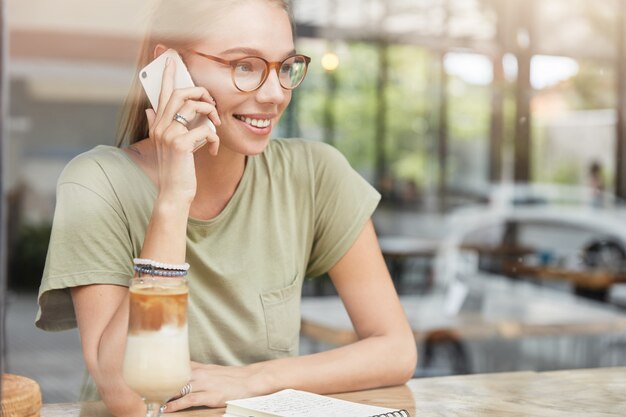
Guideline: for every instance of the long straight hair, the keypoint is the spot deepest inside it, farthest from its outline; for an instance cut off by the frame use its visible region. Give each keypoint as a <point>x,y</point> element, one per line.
<point>174,23</point>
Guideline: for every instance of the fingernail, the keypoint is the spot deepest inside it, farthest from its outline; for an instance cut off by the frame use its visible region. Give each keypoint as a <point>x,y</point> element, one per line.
<point>167,60</point>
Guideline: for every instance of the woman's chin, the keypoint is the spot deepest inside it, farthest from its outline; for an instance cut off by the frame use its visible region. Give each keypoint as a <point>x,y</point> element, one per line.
<point>247,147</point>
<point>257,147</point>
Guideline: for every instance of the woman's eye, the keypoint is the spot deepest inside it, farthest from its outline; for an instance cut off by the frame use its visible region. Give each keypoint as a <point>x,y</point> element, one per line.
<point>245,67</point>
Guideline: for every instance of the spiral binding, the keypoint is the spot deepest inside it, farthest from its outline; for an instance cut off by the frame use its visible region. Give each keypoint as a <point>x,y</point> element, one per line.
<point>399,413</point>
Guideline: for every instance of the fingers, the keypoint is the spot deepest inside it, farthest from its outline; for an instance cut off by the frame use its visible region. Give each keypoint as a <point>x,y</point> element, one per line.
<point>191,140</point>
<point>212,386</point>
<point>171,124</point>
<point>210,399</point>
<point>192,109</point>
<point>212,142</point>
<point>189,400</point>
<point>191,102</point>
<point>196,397</point>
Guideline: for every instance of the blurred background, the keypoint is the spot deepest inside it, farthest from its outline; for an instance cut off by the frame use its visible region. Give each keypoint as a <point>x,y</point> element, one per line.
<point>495,127</point>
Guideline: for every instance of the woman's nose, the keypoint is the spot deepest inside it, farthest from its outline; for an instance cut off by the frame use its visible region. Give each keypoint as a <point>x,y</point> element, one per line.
<point>271,91</point>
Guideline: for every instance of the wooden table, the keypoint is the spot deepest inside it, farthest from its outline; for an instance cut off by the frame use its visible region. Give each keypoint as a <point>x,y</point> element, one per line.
<point>584,392</point>
<point>508,310</point>
<point>591,279</point>
<point>591,283</point>
<point>588,282</point>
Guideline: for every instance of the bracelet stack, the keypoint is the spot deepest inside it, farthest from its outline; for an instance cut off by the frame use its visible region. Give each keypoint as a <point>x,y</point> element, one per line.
<point>160,269</point>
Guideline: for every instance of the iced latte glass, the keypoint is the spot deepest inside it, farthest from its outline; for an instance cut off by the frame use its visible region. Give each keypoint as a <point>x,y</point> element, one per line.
<point>156,361</point>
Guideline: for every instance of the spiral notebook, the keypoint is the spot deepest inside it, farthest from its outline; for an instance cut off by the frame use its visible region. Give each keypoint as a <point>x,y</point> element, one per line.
<point>294,403</point>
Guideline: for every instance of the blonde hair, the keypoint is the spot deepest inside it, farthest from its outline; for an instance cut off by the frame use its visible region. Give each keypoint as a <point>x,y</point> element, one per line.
<point>174,23</point>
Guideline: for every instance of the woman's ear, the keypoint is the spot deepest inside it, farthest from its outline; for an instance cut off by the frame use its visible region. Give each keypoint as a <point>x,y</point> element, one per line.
<point>159,49</point>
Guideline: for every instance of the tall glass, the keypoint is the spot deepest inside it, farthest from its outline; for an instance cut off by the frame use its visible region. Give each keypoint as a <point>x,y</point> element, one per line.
<point>156,361</point>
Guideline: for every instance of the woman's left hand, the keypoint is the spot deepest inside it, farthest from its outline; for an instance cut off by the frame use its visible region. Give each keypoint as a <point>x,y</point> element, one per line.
<point>213,385</point>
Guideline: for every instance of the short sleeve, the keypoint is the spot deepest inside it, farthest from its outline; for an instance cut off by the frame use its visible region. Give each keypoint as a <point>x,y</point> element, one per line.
<point>89,244</point>
<point>343,203</point>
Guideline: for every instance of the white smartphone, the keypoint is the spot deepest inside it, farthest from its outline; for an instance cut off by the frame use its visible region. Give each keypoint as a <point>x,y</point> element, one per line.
<point>151,77</point>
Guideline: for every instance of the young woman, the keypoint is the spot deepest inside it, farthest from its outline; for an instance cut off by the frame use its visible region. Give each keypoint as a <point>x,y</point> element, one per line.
<point>252,217</point>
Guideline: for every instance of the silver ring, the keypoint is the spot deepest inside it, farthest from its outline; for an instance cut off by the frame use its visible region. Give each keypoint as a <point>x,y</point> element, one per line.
<point>185,390</point>
<point>181,119</point>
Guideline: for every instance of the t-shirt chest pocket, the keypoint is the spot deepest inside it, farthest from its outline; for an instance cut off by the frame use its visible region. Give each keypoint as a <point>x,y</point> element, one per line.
<point>281,308</point>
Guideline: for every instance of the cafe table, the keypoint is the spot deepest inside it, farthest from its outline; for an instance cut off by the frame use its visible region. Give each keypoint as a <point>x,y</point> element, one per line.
<point>598,392</point>
<point>592,283</point>
<point>497,310</point>
<point>496,307</point>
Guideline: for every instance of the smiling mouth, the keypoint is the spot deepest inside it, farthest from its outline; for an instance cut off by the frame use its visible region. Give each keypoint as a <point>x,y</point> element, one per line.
<point>260,123</point>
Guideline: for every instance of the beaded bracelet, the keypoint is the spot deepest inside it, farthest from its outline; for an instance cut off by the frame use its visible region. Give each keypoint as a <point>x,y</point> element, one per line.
<point>159,272</point>
<point>161,265</point>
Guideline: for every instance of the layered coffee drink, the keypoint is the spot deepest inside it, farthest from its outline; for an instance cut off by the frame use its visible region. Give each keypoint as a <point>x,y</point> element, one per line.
<point>156,363</point>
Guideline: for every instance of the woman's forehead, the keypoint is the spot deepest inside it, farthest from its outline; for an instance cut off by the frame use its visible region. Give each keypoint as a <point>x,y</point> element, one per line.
<point>256,25</point>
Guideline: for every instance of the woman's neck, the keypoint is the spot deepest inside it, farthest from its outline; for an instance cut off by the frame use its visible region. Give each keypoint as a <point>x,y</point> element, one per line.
<point>217,180</point>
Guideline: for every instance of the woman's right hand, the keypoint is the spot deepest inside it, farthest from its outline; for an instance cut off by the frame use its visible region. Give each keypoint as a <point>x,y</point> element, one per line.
<point>174,142</point>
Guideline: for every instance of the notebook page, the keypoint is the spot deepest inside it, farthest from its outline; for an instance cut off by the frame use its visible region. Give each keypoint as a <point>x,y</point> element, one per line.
<point>294,403</point>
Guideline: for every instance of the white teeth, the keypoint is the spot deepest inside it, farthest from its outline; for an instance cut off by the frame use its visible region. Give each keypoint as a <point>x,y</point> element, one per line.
<point>255,122</point>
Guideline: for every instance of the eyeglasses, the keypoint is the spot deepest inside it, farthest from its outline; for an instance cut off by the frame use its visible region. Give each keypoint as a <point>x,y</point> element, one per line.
<point>250,73</point>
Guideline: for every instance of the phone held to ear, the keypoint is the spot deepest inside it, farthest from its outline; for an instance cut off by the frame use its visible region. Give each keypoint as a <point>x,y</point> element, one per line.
<point>151,77</point>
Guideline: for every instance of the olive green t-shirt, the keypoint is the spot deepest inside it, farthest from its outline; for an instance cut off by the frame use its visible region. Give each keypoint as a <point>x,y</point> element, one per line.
<point>295,213</point>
